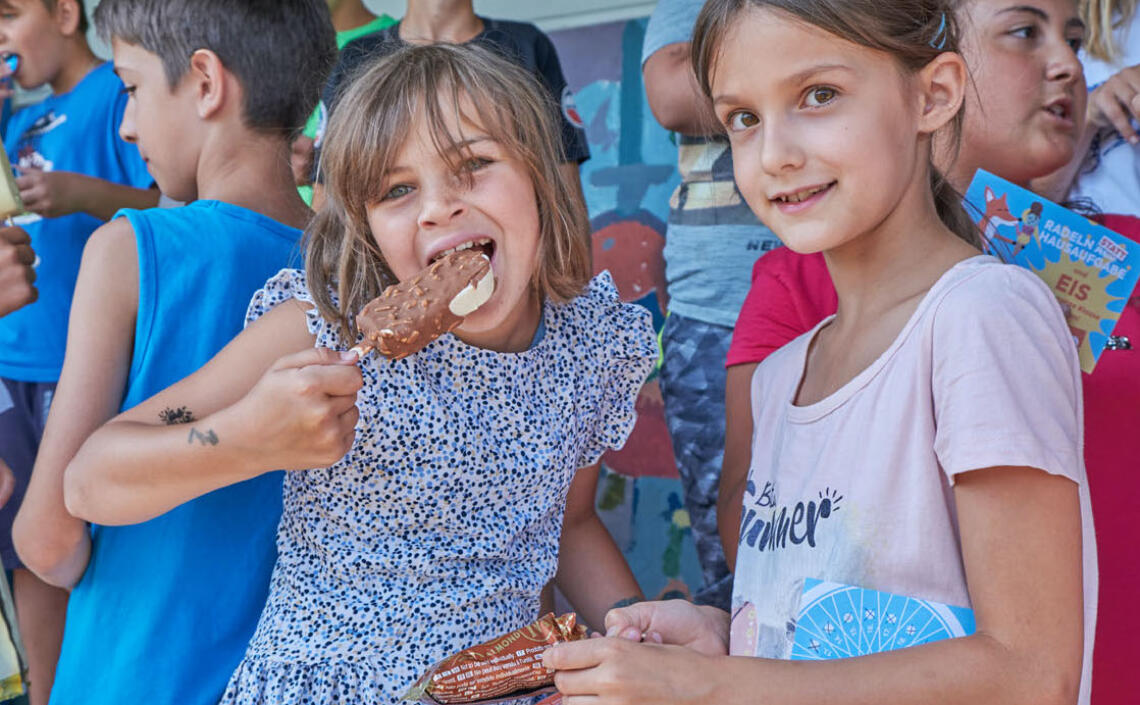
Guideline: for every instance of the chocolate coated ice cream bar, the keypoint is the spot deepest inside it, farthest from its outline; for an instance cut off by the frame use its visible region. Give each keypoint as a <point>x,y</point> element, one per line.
<point>411,314</point>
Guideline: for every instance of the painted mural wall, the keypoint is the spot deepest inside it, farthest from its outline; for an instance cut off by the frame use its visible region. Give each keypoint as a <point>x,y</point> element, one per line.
<point>628,182</point>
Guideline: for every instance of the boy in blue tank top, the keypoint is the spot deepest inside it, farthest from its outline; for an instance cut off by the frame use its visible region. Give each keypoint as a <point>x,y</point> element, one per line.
<point>72,173</point>
<point>161,611</point>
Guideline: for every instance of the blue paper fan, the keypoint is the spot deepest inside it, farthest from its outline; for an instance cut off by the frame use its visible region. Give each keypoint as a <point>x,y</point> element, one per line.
<point>840,621</point>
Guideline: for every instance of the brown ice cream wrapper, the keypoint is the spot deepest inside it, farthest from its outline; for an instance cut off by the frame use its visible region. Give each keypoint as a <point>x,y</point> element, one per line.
<point>505,668</point>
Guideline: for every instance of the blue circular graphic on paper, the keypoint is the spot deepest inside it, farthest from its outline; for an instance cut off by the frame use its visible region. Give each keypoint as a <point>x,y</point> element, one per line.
<point>840,621</point>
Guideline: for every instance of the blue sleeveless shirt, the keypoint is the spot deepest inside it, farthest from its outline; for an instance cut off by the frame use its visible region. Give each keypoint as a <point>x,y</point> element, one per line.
<point>166,608</point>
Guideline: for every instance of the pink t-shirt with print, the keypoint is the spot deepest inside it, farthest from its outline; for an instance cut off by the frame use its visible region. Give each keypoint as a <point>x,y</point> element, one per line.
<point>858,487</point>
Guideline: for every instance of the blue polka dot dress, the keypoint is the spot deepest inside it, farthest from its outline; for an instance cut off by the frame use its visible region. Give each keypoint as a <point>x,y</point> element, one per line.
<point>441,525</point>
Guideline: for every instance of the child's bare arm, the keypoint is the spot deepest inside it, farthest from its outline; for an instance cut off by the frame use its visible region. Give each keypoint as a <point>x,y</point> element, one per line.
<point>592,573</point>
<point>674,95</point>
<point>51,542</point>
<point>57,193</point>
<point>1021,544</point>
<point>267,401</point>
<point>737,456</point>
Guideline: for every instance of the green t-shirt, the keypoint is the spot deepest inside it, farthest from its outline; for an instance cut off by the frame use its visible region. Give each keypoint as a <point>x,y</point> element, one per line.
<point>342,38</point>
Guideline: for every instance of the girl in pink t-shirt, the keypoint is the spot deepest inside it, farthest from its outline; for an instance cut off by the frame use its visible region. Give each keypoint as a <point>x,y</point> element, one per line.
<point>1020,53</point>
<point>792,292</point>
<point>924,441</point>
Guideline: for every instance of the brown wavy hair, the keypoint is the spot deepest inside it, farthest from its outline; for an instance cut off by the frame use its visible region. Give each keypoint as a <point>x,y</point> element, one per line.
<point>375,116</point>
<point>914,32</point>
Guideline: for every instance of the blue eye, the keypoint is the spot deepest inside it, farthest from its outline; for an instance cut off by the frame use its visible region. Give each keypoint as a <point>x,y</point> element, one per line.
<point>740,120</point>
<point>396,192</point>
<point>820,96</point>
<point>475,164</point>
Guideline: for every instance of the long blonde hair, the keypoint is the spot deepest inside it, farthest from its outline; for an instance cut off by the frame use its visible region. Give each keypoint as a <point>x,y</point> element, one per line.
<point>375,116</point>
<point>1102,18</point>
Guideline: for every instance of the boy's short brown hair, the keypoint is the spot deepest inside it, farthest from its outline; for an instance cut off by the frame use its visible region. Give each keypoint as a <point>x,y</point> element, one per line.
<point>374,118</point>
<point>281,51</point>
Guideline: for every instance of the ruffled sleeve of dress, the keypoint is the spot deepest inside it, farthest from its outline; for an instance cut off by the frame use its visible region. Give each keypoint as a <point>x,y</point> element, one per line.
<point>291,284</point>
<point>624,351</point>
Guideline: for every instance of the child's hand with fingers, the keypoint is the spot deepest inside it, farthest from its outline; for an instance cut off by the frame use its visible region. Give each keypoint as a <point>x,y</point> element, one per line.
<point>301,159</point>
<point>7,483</point>
<point>675,622</point>
<point>50,194</point>
<point>1116,103</point>
<point>302,413</point>
<point>17,274</point>
<point>618,671</point>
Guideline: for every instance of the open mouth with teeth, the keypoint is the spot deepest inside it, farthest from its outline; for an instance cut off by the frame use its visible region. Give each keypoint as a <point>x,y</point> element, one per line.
<point>1060,110</point>
<point>484,244</point>
<point>801,196</point>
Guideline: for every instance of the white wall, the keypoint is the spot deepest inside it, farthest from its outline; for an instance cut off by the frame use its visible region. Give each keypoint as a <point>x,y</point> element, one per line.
<point>547,14</point>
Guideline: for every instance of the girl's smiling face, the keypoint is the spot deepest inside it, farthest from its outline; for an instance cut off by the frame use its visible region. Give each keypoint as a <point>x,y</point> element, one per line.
<point>827,136</point>
<point>1026,104</point>
<point>431,202</point>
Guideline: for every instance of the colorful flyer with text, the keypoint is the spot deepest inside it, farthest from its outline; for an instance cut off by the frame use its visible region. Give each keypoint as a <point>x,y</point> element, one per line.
<point>841,621</point>
<point>1091,270</point>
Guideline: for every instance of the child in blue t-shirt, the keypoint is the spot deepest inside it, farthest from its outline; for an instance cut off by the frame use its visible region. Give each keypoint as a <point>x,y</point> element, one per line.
<point>161,612</point>
<point>73,172</point>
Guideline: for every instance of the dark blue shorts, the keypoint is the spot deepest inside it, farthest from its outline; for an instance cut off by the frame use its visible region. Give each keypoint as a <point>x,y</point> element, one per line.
<point>23,414</point>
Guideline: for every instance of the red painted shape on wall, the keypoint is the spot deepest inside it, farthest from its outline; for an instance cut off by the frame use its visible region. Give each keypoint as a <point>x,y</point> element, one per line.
<point>631,251</point>
<point>647,452</point>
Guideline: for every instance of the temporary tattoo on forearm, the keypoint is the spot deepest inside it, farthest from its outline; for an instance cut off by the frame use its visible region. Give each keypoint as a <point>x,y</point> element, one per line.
<point>170,417</point>
<point>625,602</point>
<point>209,438</point>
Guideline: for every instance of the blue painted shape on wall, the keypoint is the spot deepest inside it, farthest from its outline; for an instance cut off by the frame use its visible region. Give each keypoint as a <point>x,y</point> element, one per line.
<point>627,183</point>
